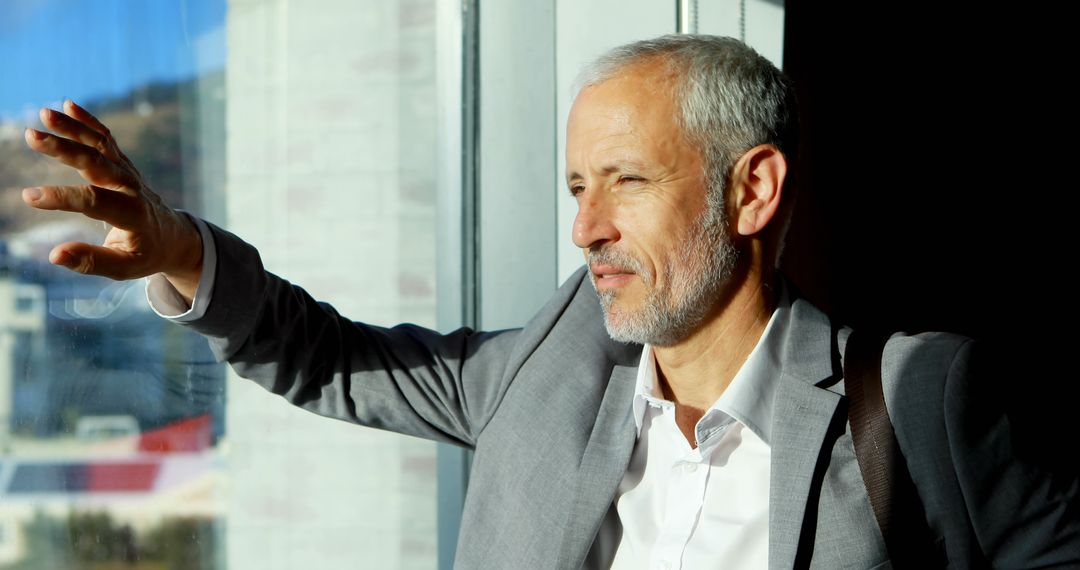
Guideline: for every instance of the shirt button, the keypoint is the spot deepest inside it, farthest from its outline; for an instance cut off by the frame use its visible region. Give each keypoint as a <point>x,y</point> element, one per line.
<point>665,566</point>
<point>689,467</point>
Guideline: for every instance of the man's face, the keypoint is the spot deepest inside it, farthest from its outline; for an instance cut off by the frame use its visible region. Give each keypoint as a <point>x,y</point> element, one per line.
<point>657,259</point>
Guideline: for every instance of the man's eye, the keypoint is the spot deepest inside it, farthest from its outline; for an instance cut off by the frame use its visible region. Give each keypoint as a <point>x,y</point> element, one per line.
<point>576,189</point>
<point>630,180</point>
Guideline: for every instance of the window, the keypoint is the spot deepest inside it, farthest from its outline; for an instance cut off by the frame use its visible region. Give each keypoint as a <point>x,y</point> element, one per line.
<point>308,128</point>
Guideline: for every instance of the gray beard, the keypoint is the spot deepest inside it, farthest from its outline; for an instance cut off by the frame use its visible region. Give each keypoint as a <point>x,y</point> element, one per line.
<point>696,275</point>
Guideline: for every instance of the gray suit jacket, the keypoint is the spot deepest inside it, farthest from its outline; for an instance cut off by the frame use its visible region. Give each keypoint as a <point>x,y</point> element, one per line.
<point>548,410</point>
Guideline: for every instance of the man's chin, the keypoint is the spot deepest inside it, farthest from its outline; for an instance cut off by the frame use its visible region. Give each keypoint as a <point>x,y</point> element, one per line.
<point>622,327</point>
<point>620,334</point>
<point>645,326</point>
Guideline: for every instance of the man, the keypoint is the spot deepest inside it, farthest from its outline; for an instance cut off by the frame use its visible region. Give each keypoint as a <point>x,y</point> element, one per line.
<point>683,410</point>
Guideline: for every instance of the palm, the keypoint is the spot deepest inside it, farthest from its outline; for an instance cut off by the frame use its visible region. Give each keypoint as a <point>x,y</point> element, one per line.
<point>123,241</point>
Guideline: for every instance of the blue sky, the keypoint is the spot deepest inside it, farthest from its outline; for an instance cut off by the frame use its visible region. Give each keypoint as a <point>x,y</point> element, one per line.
<point>88,49</point>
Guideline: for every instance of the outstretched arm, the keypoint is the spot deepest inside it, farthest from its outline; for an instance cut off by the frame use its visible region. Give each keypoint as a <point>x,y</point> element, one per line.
<point>405,379</point>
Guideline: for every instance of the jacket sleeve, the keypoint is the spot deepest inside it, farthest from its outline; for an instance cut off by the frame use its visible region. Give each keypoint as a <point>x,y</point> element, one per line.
<point>1025,511</point>
<point>993,502</point>
<point>406,379</point>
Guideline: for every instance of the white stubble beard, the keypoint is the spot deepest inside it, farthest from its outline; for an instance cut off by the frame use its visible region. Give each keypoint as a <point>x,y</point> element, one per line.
<point>696,274</point>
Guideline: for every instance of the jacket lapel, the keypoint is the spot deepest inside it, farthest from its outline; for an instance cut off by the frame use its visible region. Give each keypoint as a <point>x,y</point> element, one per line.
<point>805,419</point>
<point>799,457</point>
<point>603,464</point>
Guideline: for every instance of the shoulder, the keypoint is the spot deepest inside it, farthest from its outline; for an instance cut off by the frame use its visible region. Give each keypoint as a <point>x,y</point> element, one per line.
<point>570,326</point>
<point>926,378</point>
<point>929,380</point>
<point>925,359</point>
<point>573,307</point>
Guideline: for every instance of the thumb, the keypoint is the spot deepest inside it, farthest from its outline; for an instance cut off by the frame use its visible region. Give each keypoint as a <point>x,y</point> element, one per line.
<point>96,260</point>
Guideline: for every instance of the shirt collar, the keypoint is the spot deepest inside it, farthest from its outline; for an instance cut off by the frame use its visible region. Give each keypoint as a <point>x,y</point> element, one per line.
<point>748,399</point>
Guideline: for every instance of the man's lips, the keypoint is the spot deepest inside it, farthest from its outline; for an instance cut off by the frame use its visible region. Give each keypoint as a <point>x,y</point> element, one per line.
<point>610,275</point>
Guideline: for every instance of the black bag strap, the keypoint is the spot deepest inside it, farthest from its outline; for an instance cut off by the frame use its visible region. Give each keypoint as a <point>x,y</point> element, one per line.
<point>897,507</point>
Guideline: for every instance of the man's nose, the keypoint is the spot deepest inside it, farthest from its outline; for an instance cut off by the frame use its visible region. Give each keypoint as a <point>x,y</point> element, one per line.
<point>593,225</point>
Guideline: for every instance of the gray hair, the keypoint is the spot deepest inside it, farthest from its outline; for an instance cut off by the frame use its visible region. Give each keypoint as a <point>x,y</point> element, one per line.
<point>731,99</point>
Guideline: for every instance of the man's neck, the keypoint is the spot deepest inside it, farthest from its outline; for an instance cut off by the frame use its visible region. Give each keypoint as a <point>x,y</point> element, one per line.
<point>695,372</point>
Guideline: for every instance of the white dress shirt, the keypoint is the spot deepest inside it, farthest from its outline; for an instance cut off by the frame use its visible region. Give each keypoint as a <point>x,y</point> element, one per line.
<point>704,507</point>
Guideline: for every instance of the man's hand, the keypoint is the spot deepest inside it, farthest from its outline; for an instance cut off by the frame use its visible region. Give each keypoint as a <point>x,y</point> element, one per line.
<point>147,237</point>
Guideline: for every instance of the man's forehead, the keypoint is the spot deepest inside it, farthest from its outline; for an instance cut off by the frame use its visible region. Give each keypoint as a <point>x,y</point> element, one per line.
<point>608,129</point>
<point>633,102</point>
<point>600,107</point>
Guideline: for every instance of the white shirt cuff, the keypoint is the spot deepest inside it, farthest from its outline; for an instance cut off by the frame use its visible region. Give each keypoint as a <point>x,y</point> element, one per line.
<point>167,302</point>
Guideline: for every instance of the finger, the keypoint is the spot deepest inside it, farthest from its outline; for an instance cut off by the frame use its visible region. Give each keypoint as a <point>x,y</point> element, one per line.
<point>97,260</point>
<point>83,116</point>
<point>77,131</point>
<point>118,209</point>
<point>91,164</point>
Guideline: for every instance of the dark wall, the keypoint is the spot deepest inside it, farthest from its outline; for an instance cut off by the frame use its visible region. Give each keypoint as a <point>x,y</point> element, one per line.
<point>936,178</point>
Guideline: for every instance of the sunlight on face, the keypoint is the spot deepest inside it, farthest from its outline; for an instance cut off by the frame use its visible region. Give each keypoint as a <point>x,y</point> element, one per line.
<point>656,259</point>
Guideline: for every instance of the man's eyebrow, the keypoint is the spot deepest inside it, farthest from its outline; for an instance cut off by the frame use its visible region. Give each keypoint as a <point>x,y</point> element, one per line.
<point>621,165</point>
<point>610,168</point>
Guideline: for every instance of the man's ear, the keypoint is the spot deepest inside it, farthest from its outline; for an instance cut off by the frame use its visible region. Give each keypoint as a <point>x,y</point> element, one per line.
<point>757,182</point>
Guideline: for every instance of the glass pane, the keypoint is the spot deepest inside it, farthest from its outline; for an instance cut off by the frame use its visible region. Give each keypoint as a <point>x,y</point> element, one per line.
<point>308,128</point>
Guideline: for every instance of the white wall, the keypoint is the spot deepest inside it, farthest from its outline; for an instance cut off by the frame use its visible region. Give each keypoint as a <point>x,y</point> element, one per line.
<point>330,173</point>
